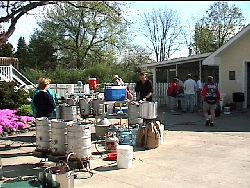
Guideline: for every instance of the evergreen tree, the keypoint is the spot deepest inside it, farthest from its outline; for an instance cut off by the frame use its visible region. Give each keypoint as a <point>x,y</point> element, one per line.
<point>7,50</point>
<point>22,53</point>
<point>42,52</point>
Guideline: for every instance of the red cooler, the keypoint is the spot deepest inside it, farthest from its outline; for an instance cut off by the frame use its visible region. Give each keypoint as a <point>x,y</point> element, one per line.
<point>92,83</point>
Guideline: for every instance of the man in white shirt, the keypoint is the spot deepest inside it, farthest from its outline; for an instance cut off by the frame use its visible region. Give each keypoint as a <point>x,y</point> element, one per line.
<point>189,93</point>
<point>198,92</point>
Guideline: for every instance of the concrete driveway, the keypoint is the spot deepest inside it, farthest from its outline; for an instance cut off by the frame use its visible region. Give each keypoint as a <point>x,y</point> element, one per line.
<point>192,156</point>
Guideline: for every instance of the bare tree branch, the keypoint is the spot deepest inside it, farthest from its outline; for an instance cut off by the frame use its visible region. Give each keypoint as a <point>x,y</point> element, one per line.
<point>16,9</point>
<point>15,13</point>
<point>162,28</point>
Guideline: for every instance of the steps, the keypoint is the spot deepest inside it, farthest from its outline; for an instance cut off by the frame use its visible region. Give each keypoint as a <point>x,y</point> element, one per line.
<point>10,73</point>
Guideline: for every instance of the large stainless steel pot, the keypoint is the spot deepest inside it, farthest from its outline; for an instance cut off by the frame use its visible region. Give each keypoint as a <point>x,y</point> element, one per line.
<point>148,110</point>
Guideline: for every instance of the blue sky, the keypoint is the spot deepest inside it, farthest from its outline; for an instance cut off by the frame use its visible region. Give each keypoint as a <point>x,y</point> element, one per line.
<point>189,11</point>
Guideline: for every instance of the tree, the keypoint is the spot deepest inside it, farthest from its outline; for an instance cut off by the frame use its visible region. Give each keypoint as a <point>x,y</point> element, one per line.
<point>7,50</point>
<point>42,53</point>
<point>204,39</point>
<point>220,23</point>
<point>22,52</point>
<point>134,56</point>
<point>162,28</point>
<point>12,11</point>
<point>78,33</point>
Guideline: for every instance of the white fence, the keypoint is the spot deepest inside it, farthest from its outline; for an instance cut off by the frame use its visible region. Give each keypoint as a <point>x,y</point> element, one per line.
<point>65,89</point>
<point>160,94</point>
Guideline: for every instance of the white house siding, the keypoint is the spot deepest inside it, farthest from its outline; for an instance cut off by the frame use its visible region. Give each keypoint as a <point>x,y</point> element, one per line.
<point>233,59</point>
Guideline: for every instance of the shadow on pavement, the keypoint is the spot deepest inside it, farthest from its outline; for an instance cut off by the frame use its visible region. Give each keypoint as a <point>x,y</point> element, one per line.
<point>20,138</point>
<point>14,171</point>
<point>8,147</point>
<point>16,155</point>
<point>237,121</point>
<point>108,167</point>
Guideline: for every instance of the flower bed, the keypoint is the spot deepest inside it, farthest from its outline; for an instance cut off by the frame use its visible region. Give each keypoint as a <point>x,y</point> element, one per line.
<point>10,122</point>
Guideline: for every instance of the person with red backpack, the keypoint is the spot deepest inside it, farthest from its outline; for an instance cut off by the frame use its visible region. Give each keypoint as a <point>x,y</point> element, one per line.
<point>211,96</point>
<point>172,92</point>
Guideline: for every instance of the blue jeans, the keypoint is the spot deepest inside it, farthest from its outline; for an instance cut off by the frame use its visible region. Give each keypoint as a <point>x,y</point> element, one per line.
<point>172,103</point>
<point>189,102</point>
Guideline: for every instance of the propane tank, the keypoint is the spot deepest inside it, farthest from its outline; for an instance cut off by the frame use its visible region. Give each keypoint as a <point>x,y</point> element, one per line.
<point>111,142</point>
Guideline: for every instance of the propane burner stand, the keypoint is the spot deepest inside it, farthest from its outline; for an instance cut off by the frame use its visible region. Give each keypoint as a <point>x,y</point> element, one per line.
<point>80,164</point>
<point>75,162</point>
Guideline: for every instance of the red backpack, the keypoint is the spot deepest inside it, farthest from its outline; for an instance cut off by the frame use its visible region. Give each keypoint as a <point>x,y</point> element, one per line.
<point>170,90</point>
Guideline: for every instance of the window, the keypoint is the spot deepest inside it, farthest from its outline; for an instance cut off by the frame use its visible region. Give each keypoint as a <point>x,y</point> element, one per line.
<point>231,75</point>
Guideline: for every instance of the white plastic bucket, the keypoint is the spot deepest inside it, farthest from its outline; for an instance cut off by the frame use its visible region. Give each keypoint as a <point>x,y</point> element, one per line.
<point>124,156</point>
<point>227,110</point>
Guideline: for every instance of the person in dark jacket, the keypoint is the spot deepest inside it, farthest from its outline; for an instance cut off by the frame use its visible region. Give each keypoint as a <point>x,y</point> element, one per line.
<point>144,88</point>
<point>42,100</point>
<point>50,91</point>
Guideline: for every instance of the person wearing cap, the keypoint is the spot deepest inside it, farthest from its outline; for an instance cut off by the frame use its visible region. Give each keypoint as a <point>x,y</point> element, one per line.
<point>211,96</point>
<point>118,81</point>
<point>144,88</point>
<point>189,92</point>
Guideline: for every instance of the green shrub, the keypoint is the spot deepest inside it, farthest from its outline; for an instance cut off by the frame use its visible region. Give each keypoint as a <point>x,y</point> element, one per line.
<point>11,97</point>
<point>34,74</point>
<point>62,75</point>
<point>24,110</point>
<point>104,72</point>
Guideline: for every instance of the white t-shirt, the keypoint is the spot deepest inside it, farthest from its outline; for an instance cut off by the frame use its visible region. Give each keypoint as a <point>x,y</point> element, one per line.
<point>198,85</point>
<point>189,86</point>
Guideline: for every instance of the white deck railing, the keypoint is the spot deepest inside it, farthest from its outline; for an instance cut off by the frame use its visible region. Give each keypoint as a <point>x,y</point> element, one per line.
<point>10,73</point>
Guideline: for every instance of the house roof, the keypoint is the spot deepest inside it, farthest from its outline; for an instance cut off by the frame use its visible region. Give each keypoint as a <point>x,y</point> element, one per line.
<point>210,59</point>
<point>181,60</point>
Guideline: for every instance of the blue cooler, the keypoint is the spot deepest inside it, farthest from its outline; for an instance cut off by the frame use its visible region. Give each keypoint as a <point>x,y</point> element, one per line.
<point>115,93</point>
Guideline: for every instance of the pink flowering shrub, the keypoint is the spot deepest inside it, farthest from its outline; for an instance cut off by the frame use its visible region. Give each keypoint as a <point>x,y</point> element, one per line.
<point>9,121</point>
